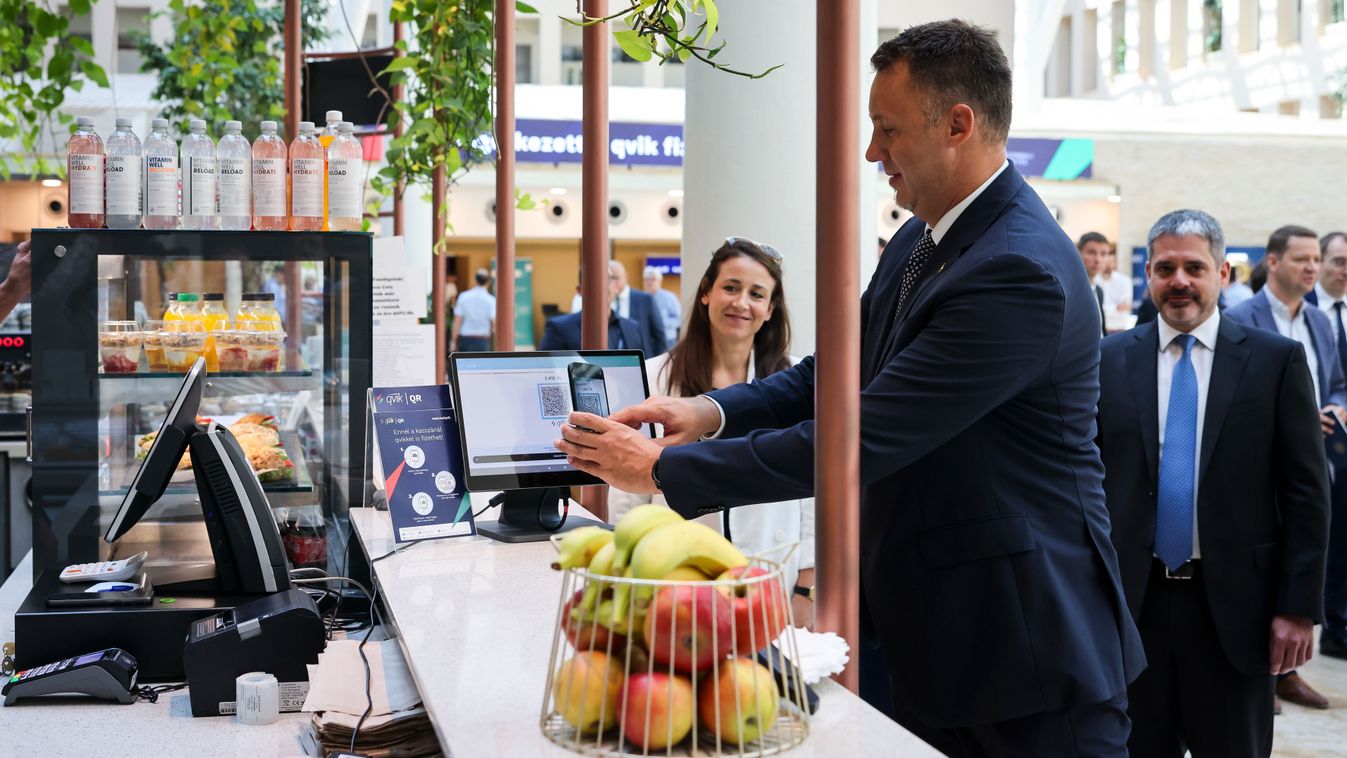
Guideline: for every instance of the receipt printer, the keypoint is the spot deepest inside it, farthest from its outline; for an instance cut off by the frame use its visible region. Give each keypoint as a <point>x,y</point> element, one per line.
<point>278,634</point>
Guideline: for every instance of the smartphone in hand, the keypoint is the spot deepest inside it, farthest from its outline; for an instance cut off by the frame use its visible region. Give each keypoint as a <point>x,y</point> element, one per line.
<point>589,394</point>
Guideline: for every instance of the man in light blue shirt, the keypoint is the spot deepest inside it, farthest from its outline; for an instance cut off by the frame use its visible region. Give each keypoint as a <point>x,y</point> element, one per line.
<point>474,318</point>
<point>666,302</point>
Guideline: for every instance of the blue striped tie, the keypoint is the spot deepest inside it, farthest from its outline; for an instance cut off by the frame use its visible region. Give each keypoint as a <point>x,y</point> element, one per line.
<point>1174,506</point>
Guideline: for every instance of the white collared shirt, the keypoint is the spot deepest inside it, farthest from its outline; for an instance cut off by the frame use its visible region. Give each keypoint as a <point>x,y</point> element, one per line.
<point>946,221</point>
<point>1326,303</point>
<point>623,303</point>
<point>1202,355</point>
<point>1297,329</point>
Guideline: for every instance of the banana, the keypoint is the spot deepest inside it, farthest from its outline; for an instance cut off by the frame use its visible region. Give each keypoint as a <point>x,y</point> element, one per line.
<point>601,565</point>
<point>578,547</point>
<point>670,547</point>
<point>686,574</point>
<point>685,543</point>
<point>638,522</point>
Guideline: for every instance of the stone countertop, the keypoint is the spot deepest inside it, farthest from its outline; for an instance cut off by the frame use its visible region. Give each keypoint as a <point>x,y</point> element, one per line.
<point>81,728</point>
<point>475,620</point>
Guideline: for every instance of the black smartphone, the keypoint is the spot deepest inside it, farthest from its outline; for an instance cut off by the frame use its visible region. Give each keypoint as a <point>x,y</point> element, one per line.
<point>589,394</point>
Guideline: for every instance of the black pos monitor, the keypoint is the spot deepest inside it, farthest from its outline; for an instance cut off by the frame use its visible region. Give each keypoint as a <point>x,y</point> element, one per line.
<point>510,407</point>
<point>244,538</point>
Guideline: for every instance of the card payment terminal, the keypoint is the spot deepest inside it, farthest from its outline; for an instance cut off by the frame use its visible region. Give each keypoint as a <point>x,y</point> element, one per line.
<point>107,674</point>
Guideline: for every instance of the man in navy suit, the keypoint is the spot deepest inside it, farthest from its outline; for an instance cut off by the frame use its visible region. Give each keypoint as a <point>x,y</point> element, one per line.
<point>986,567</point>
<point>1218,495</point>
<point>563,332</point>
<point>1292,267</point>
<point>639,307</point>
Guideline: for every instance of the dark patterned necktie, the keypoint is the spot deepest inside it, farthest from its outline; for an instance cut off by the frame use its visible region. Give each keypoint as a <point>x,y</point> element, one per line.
<point>915,265</point>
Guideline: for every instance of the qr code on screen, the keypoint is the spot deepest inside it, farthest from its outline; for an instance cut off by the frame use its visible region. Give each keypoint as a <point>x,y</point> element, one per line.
<point>554,399</point>
<point>589,402</point>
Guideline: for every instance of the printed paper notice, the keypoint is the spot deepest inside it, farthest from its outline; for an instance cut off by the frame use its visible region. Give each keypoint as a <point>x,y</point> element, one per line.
<point>404,354</point>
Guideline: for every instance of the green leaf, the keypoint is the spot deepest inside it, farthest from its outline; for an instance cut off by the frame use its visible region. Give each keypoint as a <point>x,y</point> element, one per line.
<point>401,63</point>
<point>712,18</point>
<point>94,72</point>
<point>523,7</point>
<point>81,45</point>
<point>634,45</point>
<point>684,54</point>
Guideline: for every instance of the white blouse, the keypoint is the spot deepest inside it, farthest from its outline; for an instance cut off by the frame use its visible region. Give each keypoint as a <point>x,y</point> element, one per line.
<point>765,529</point>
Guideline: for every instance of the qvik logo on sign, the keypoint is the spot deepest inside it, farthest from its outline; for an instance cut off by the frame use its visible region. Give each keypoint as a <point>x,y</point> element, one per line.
<point>13,342</point>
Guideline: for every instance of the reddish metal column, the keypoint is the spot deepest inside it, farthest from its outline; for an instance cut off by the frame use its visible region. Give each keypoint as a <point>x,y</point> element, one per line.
<point>594,207</point>
<point>294,55</point>
<point>505,243</point>
<point>439,211</point>
<point>837,389</point>
<point>399,92</point>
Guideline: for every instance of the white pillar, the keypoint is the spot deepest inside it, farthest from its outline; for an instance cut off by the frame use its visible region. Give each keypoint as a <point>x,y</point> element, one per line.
<point>549,49</point>
<point>103,22</point>
<point>749,166</point>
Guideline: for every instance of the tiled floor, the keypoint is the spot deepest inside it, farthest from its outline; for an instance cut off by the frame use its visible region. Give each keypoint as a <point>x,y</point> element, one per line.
<point>1302,733</point>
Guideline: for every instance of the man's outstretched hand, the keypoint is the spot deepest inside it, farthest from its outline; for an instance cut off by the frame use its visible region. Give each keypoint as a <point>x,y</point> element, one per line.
<point>614,452</point>
<point>684,419</point>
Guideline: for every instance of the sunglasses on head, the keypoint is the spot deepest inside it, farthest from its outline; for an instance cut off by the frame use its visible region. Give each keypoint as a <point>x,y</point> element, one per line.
<point>767,250</point>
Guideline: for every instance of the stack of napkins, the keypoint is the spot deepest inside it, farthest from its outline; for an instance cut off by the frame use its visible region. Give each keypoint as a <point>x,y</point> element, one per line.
<point>397,726</point>
<point>820,654</point>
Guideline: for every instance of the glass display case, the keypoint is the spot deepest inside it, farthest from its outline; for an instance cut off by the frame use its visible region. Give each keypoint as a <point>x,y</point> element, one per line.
<point>109,355</point>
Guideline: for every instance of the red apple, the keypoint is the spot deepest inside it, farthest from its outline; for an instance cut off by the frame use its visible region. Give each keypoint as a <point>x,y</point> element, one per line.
<point>585,691</point>
<point>740,704</point>
<point>688,626</point>
<point>759,609</point>
<point>582,631</point>
<point>656,709</point>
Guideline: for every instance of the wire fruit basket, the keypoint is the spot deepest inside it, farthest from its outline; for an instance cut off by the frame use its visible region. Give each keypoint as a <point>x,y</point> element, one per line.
<point>687,664</point>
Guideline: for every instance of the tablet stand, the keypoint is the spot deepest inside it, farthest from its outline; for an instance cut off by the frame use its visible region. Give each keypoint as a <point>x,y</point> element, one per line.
<point>532,516</point>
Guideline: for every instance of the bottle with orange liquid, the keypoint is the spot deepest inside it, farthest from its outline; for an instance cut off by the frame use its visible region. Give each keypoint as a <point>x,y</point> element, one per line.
<point>326,138</point>
<point>308,171</point>
<point>214,315</point>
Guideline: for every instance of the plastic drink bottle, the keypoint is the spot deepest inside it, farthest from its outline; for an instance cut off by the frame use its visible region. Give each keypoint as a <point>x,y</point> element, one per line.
<point>124,189</point>
<point>326,138</point>
<point>161,177</point>
<point>306,181</point>
<point>345,181</point>
<point>215,316</point>
<point>269,172</point>
<point>234,162</point>
<point>198,179</point>
<point>84,165</point>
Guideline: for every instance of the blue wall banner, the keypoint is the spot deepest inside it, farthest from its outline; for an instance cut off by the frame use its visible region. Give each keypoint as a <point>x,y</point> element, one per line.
<point>630,144</point>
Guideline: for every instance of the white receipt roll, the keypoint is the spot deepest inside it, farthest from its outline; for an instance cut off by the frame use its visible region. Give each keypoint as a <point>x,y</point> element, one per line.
<point>257,697</point>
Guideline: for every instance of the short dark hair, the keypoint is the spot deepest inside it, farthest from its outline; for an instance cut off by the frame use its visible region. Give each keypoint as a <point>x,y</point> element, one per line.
<point>954,62</point>
<point>482,277</point>
<point>1325,240</point>
<point>1089,237</point>
<point>1281,239</point>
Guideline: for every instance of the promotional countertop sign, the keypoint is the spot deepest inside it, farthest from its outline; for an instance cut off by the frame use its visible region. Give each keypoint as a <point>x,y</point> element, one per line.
<point>416,443</point>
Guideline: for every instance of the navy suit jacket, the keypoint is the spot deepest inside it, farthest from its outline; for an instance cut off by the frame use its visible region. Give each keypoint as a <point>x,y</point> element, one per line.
<point>1257,312</point>
<point>646,314</point>
<point>986,563</point>
<point>1262,486</point>
<point>563,333</point>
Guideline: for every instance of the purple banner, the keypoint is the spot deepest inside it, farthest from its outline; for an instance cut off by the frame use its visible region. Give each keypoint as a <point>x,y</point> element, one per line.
<point>549,141</point>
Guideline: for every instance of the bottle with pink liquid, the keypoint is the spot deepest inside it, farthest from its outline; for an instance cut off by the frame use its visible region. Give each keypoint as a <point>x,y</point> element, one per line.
<point>84,164</point>
<point>307,169</point>
<point>269,173</point>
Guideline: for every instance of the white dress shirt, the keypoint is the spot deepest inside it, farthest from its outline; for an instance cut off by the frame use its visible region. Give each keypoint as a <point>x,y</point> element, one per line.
<point>1203,352</point>
<point>1117,290</point>
<point>1299,330</point>
<point>1326,303</point>
<point>623,303</point>
<point>937,233</point>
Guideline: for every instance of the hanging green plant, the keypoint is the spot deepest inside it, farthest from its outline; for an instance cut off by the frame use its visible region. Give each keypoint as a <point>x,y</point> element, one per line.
<point>39,62</point>
<point>652,22</point>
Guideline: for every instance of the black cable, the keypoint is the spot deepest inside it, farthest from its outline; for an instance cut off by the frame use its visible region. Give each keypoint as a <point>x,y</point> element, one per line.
<point>369,692</point>
<point>395,551</point>
<point>151,694</point>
